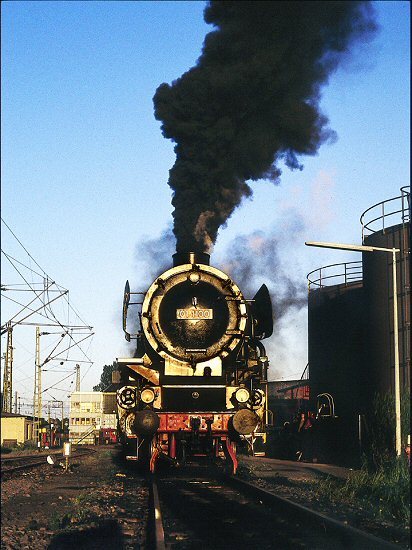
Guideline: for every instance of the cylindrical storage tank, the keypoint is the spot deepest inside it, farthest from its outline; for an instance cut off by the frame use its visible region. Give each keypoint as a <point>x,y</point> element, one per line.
<point>379,294</point>
<point>336,348</point>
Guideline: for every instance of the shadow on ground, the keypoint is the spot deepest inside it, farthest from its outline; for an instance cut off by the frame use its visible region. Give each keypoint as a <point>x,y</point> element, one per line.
<point>106,536</point>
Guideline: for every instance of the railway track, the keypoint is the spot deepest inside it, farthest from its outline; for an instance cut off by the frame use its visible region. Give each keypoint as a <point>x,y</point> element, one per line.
<point>178,510</point>
<point>12,465</point>
<point>221,513</point>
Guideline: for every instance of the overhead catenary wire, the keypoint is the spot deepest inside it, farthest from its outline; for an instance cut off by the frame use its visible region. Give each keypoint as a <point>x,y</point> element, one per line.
<point>24,248</point>
<point>31,313</point>
<point>10,257</point>
<point>72,360</point>
<point>62,380</point>
<point>45,295</point>
<point>38,294</point>
<point>28,324</point>
<point>44,275</point>
<point>58,324</point>
<point>75,344</point>
<point>26,306</point>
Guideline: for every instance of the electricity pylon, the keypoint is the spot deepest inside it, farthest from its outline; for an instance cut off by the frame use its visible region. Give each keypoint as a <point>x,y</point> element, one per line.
<point>77,377</point>
<point>37,400</point>
<point>8,371</point>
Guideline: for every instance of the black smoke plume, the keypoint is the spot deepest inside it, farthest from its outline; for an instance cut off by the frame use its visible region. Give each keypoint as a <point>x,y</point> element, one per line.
<point>250,103</point>
<point>258,258</point>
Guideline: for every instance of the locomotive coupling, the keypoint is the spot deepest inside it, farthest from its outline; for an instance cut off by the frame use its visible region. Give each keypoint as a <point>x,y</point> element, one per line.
<point>146,422</point>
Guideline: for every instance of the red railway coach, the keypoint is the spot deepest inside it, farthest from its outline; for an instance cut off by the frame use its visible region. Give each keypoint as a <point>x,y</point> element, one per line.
<point>107,436</point>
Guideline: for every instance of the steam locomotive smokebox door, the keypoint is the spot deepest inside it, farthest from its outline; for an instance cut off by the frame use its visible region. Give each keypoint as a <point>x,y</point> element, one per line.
<point>191,314</point>
<point>198,316</point>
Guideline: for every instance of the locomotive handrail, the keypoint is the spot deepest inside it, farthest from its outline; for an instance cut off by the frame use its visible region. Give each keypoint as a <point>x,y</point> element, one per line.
<point>270,413</point>
<point>331,405</point>
<point>349,272</point>
<point>126,303</point>
<point>388,209</point>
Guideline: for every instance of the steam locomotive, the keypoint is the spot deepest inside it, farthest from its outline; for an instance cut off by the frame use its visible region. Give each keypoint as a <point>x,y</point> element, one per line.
<point>197,384</point>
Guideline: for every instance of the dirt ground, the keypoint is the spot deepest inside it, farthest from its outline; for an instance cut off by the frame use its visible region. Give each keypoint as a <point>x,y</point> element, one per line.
<point>92,506</point>
<point>82,508</point>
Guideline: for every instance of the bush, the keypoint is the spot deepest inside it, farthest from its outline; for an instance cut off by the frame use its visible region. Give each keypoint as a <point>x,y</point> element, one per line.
<point>388,487</point>
<point>27,446</point>
<point>379,448</point>
<point>5,450</point>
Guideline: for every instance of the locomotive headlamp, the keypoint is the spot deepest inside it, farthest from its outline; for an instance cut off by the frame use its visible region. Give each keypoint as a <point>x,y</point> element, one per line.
<point>242,395</point>
<point>194,277</point>
<point>147,395</point>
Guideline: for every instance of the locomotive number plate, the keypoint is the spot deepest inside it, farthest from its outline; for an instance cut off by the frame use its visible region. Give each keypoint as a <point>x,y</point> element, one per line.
<point>193,313</point>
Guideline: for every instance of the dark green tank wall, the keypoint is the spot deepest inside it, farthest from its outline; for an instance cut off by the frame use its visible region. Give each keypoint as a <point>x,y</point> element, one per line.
<point>351,338</point>
<point>378,284</point>
<point>337,357</point>
<point>337,342</point>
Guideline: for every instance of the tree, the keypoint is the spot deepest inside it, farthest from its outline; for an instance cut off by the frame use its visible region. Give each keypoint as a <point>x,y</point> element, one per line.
<point>105,378</point>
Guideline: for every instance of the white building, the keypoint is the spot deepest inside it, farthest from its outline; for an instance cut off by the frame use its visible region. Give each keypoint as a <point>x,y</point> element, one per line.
<point>90,411</point>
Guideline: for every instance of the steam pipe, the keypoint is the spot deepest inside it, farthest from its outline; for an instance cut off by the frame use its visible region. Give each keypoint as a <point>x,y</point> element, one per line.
<point>263,360</point>
<point>264,366</point>
<point>259,345</point>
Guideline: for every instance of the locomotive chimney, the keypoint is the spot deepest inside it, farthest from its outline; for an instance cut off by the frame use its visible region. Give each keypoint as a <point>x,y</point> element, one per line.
<point>181,258</point>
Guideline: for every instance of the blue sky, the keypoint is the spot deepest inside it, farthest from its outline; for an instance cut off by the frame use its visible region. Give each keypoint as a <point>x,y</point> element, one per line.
<point>85,166</point>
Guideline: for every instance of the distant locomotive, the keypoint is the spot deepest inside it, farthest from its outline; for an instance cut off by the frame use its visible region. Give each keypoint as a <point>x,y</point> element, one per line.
<point>198,382</point>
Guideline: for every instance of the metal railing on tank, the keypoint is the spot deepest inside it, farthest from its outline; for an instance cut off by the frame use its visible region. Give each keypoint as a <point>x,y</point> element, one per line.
<point>387,213</point>
<point>335,274</point>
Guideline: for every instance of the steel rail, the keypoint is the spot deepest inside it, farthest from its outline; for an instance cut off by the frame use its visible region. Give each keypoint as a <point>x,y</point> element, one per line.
<point>155,534</point>
<point>16,458</point>
<point>36,463</point>
<point>26,466</point>
<point>354,538</point>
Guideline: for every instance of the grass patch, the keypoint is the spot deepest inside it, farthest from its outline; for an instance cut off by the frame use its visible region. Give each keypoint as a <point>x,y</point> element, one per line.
<point>91,507</point>
<point>82,505</point>
<point>385,491</point>
<point>382,485</point>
